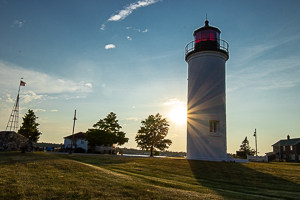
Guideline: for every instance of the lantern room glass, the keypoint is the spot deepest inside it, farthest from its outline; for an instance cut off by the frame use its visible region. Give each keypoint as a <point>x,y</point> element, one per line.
<point>207,35</point>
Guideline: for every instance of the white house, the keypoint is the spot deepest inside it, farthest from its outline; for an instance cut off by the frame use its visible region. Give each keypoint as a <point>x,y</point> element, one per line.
<point>80,142</point>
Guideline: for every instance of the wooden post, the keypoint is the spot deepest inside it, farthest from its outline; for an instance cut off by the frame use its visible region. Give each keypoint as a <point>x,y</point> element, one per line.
<point>73,132</point>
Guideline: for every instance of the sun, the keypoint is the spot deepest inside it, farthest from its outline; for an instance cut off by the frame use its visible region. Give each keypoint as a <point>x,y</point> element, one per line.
<point>178,114</point>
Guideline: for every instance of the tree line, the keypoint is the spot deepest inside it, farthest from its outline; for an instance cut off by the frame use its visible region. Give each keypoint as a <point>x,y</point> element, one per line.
<point>107,131</point>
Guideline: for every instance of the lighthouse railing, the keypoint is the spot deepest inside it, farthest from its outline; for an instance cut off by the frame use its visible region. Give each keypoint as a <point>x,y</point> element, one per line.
<point>222,45</point>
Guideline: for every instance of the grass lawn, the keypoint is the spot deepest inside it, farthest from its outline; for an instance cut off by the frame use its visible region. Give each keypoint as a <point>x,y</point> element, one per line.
<point>60,176</point>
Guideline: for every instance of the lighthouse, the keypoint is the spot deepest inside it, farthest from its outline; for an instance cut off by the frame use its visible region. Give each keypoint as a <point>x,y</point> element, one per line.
<point>206,56</point>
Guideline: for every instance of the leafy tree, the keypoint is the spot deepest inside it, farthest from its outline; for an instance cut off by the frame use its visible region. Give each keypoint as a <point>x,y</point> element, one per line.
<point>29,127</point>
<point>106,131</point>
<point>246,149</point>
<point>151,134</point>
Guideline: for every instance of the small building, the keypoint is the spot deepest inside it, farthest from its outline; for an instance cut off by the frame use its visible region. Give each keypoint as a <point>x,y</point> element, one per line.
<point>287,149</point>
<point>80,142</point>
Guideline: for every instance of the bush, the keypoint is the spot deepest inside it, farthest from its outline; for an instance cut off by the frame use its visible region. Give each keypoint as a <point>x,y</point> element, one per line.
<point>79,150</point>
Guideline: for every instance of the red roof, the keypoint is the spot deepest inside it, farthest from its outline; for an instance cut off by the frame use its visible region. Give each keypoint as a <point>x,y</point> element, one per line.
<point>79,135</point>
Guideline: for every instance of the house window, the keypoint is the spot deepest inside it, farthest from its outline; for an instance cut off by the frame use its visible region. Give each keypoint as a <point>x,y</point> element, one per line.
<point>214,126</point>
<point>291,148</point>
<point>292,156</point>
<point>283,148</point>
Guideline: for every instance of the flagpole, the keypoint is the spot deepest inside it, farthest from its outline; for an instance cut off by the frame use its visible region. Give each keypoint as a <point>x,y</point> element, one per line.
<point>255,135</point>
<point>13,121</point>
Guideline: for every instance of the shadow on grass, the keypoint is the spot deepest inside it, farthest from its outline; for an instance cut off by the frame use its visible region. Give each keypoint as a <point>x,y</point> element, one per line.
<point>101,159</point>
<point>247,181</point>
<point>10,157</point>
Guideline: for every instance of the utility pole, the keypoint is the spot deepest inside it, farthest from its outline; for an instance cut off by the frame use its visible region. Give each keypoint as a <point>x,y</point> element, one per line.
<point>255,135</point>
<point>72,142</point>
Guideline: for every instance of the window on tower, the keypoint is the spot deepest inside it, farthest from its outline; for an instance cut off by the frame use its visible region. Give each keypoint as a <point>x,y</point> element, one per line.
<point>214,126</point>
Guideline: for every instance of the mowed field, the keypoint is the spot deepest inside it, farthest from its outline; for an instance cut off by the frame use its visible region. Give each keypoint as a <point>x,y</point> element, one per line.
<point>60,176</point>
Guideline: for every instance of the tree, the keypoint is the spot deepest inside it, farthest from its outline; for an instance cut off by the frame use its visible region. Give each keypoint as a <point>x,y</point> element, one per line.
<point>151,134</point>
<point>246,149</point>
<point>106,131</point>
<point>29,127</point>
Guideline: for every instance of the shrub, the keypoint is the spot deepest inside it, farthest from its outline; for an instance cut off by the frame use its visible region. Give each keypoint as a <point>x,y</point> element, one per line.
<point>79,150</point>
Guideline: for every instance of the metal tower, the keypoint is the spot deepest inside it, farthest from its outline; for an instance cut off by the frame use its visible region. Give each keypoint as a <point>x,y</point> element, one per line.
<point>13,122</point>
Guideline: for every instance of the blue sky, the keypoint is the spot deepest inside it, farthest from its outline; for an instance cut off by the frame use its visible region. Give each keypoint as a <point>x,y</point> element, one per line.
<point>128,57</point>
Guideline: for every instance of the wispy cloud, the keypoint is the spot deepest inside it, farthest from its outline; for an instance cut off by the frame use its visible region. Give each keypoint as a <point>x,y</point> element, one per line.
<point>137,29</point>
<point>17,23</point>
<point>76,97</point>
<point>28,96</point>
<point>9,99</point>
<point>103,27</point>
<point>173,102</point>
<point>265,74</point>
<point>127,10</point>
<point>249,53</point>
<point>129,38</point>
<point>89,85</point>
<point>39,110</point>
<point>54,110</point>
<point>133,119</point>
<point>110,46</point>
<point>37,82</point>
<point>122,14</point>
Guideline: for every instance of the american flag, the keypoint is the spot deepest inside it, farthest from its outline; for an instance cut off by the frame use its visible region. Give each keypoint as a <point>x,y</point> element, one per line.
<point>22,83</point>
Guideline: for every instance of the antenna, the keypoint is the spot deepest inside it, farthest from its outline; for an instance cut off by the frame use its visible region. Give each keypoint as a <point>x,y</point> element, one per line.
<point>206,16</point>
<point>13,122</point>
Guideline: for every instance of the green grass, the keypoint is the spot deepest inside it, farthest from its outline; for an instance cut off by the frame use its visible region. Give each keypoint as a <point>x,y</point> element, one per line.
<point>56,176</point>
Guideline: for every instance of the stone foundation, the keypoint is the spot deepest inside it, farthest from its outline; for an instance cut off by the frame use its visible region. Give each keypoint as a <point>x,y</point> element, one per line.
<point>12,141</point>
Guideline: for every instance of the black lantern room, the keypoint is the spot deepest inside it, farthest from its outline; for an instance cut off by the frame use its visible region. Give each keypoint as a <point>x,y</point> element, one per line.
<point>207,38</point>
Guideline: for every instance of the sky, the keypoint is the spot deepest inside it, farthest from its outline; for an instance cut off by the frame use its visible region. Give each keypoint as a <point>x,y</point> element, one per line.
<point>127,57</point>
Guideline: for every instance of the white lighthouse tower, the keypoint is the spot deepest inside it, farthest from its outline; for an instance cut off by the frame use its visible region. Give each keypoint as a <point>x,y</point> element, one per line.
<point>206,56</point>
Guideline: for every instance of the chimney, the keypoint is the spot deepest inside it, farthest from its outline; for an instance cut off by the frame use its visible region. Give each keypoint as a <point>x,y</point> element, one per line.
<point>288,137</point>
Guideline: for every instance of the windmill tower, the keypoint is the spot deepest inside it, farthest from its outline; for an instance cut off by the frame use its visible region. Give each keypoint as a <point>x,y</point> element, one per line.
<point>13,122</point>
<point>206,56</point>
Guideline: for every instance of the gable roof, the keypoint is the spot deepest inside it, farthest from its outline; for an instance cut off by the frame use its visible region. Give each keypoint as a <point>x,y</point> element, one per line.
<point>79,135</point>
<point>290,142</point>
